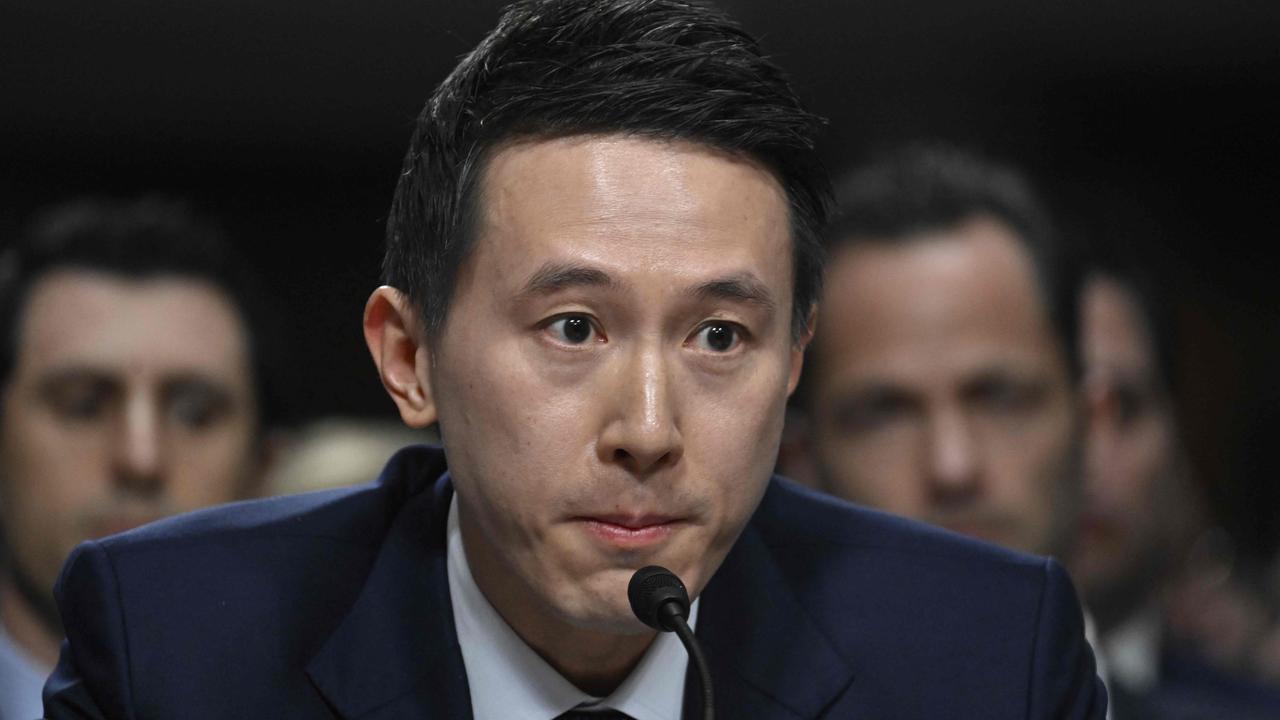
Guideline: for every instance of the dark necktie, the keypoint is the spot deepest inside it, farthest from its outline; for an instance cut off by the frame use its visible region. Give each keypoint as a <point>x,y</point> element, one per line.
<point>596,715</point>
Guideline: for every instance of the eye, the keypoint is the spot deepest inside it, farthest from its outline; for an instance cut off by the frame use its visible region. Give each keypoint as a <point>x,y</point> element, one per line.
<point>572,329</point>
<point>1003,394</point>
<point>196,405</point>
<point>81,400</point>
<point>871,410</point>
<point>718,337</point>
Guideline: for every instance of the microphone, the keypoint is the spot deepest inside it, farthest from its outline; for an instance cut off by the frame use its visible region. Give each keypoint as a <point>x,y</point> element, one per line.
<point>659,599</point>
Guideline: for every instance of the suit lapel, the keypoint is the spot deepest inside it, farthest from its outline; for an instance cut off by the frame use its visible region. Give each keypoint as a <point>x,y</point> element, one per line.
<point>767,658</point>
<point>396,654</point>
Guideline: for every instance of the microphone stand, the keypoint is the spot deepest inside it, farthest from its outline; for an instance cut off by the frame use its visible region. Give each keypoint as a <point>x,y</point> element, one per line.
<point>660,600</point>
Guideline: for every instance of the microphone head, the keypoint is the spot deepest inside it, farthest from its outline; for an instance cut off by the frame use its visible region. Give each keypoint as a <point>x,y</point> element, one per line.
<point>650,589</point>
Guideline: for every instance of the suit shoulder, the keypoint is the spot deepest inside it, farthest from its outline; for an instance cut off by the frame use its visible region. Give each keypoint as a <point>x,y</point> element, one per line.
<point>901,599</point>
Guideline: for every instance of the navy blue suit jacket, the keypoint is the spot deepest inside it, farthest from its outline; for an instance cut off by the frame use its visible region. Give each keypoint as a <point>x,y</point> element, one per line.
<point>336,605</point>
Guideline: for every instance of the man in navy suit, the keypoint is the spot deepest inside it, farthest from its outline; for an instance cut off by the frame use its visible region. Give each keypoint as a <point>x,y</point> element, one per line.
<point>601,270</point>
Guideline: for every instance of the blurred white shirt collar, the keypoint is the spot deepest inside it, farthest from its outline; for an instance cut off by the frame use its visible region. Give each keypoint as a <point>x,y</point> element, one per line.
<point>21,680</point>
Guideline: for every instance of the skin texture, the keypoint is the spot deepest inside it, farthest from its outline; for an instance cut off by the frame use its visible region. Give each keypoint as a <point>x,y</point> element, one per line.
<point>130,401</point>
<point>1135,489</point>
<point>941,392</point>
<point>670,263</point>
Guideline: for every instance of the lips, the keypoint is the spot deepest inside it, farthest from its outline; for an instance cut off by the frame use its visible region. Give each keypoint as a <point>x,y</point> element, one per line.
<point>630,531</point>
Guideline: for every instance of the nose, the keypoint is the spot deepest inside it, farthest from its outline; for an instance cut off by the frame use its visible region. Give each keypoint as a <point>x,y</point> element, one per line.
<point>139,446</point>
<point>642,433</point>
<point>1102,437</point>
<point>953,455</point>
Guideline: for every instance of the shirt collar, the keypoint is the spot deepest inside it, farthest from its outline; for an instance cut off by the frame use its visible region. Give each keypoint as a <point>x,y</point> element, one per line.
<point>508,680</point>
<point>21,679</point>
<point>1133,650</point>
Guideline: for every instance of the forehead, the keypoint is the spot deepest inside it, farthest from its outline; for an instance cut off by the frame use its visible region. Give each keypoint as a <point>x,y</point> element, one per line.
<point>1115,334</point>
<point>627,203</point>
<point>107,322</point>
<point>959,298</point>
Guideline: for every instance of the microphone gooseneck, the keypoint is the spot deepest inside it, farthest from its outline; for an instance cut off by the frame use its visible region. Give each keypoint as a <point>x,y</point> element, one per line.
<point>659,600</point>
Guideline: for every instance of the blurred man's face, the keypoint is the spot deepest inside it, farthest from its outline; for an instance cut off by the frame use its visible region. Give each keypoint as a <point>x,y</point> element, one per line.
<point>941,392</point>
<point>613,373</point>
<point>1132,490</point>
<point>130,400</point>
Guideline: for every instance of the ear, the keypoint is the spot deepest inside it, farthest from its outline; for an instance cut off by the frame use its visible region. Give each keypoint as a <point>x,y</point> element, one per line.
<point>798,347</point>
<point>399,349</point>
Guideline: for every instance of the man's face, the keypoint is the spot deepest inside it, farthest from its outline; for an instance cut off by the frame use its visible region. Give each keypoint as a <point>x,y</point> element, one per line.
<point>130,400</point>
<point>1131,483</point>
<point>941,392</point>
<point>613,373</point>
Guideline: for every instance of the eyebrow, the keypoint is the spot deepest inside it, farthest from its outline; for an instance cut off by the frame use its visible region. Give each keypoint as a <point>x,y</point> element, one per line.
<point>63,376</point>
<point>742,287</point>
<point>554,277</point>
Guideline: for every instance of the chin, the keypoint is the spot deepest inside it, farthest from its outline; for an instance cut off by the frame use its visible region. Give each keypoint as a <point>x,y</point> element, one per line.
<point>600,605</point>
<point>603,617</point>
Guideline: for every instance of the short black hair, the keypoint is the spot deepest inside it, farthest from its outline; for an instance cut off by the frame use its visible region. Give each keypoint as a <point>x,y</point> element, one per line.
<point>1133,260</point>
<point>665,69</point>
<point>926,187</point>
<point>138,240</point>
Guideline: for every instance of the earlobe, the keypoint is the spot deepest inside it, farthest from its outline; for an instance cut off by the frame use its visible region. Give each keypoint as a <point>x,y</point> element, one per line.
<point>399,349</point>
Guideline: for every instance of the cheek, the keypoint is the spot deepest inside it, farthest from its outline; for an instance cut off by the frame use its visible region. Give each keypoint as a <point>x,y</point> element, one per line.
<point>50,481</point>
<point>211,467</point>
<point>500,394</point>
<point>1151,451</point>
<point>1040,447</point>
<point>50,469</point>
<point>877,468</point>
<point>506,431</point>
<point>747,414</point>
<point>736,419</point>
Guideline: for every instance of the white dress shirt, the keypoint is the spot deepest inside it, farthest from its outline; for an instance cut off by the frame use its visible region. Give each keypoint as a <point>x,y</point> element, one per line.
<point>1099,655</point>
<point>509,681</point>
<point>1133,649</point>
<point>21,680</point>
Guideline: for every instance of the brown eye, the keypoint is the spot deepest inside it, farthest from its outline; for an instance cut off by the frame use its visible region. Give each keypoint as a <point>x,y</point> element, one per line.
<point>871,410</point>
<point>80,398</point>
<point>572,329</point>
<point>719,337</point>
<point>196,404</point>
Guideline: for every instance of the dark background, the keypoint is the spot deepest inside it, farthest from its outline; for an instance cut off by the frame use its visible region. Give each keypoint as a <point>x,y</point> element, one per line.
<point>287,120</point>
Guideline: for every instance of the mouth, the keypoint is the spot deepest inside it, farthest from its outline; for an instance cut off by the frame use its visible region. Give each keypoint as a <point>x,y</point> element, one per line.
<point>977,529</point>
<point>630,532</point>
<point>1096,528</point>
<point>118,524</point>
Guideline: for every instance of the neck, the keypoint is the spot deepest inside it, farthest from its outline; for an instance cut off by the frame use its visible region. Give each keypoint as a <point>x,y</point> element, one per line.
<point>596,663</point>
<point>25,624</point>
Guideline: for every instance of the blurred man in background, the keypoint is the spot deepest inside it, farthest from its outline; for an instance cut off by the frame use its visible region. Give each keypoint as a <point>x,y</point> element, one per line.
<point>1141,508</point>
<point>942,383</point>
<point>132,386</point>
<point>944,386</point>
